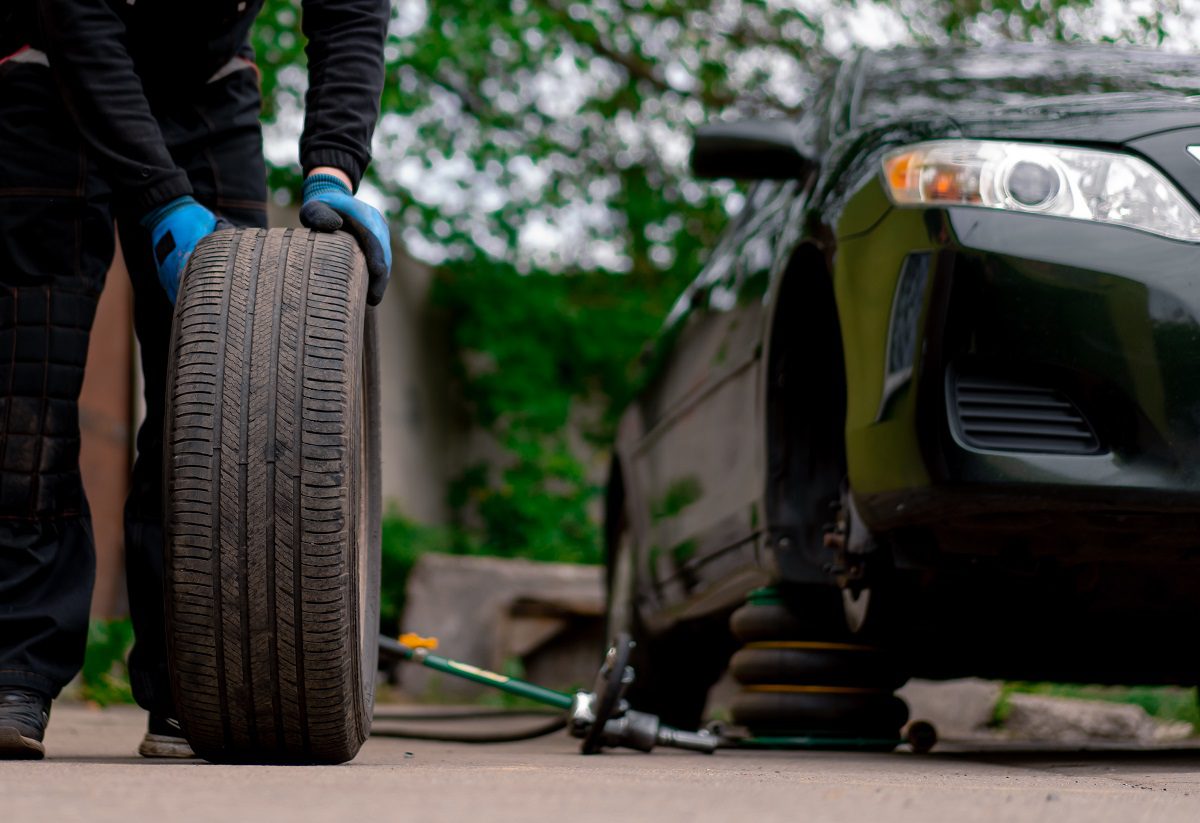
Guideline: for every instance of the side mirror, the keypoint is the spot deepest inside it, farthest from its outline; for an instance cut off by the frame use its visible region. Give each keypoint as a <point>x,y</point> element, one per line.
<point>749,150</point>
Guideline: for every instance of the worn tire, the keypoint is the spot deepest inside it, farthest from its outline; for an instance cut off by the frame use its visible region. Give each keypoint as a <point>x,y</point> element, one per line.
<point>273,499</point>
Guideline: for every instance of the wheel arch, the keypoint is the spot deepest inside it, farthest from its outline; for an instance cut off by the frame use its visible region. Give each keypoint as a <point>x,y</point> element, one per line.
<point>805,409</point>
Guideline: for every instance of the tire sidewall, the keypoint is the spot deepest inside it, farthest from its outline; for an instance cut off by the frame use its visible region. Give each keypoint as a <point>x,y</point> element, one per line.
<point>371,507</point>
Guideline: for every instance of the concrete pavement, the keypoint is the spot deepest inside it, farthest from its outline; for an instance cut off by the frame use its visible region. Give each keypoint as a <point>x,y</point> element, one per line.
<point>93,775</point>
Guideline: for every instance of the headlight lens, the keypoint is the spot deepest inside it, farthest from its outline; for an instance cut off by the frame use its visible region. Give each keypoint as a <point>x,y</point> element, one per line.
<point>1084,184</point>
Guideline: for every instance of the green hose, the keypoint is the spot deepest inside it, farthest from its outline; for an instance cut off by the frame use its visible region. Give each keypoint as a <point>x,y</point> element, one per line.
<point>521,688</point>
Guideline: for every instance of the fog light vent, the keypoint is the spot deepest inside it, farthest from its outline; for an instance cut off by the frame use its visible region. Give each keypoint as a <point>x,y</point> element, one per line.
<point>1006,415</point>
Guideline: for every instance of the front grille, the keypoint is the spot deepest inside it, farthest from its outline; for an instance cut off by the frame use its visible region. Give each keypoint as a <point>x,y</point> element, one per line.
<point>1011,416</point>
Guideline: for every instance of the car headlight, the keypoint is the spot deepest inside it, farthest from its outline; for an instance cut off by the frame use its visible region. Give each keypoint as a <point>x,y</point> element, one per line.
<point>1084,184</point>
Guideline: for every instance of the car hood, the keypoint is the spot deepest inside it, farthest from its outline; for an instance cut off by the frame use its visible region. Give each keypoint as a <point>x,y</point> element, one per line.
<point>1099,118</point>
<point>1098,94</point>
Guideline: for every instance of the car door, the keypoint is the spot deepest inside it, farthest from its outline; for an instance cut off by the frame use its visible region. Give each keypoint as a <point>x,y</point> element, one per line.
<point>697,465</point>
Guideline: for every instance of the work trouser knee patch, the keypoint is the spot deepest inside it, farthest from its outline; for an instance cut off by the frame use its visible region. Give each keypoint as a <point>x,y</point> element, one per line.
<point>43,351</point>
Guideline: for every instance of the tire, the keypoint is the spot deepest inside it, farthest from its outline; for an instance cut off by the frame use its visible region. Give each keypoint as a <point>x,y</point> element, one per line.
<point>273,499</point>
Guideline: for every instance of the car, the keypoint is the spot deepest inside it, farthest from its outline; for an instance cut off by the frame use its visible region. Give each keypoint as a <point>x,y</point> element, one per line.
<point>932,406</point>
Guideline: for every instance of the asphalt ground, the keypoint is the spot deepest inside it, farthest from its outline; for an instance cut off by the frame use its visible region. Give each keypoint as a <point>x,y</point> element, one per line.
<point>93,774</point>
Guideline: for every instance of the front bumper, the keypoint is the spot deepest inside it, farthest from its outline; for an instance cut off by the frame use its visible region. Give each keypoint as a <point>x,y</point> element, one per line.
<point>1107,317</point>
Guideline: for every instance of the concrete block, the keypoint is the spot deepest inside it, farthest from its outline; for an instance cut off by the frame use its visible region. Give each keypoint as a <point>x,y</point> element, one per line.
<point>958,709</point>
<point>1063,720</point>
<point>490,611</point>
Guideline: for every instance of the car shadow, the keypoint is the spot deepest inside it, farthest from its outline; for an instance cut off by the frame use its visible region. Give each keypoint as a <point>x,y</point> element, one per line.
<point>1059,756</point>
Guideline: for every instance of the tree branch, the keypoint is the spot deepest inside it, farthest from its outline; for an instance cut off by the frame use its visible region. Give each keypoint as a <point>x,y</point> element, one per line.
<point>634,66</point>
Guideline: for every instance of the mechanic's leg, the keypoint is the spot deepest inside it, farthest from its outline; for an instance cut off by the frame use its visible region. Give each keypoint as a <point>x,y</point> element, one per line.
<point>218,141</point>
<point>143,508</point>
<point>56,244</point>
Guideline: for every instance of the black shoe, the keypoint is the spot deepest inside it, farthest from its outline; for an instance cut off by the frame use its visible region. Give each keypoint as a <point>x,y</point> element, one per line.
<point>23,718</point>
<point>164,738</point>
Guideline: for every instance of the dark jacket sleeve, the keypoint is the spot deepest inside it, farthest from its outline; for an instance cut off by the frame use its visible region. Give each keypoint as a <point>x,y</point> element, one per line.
<point>345,80</point>
<point>85,41</point>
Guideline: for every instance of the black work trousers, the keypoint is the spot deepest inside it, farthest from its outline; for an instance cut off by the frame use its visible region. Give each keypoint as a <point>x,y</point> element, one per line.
<point>57,234</point>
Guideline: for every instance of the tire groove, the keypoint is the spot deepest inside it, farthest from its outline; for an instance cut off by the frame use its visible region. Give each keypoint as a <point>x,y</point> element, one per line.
<point>297,498</point>
<point>272,468</point>
<point>243,545</point>
<point>218,420</point>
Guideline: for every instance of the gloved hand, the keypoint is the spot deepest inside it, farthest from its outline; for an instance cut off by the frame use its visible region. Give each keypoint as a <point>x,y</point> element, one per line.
<point>175,229</point>
<point>329,205</point>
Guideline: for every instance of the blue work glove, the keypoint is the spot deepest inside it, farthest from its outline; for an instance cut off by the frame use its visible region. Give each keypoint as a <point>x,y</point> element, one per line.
<point>175,229</point>
<point>329,205</point>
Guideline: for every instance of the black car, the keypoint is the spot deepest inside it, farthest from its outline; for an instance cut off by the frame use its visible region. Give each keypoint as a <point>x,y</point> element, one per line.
<point>932,407</point>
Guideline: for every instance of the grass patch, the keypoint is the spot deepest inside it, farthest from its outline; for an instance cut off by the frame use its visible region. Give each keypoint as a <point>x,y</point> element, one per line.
<point>403,542</point>
<point>1174,704</point>
<point>105,676</point>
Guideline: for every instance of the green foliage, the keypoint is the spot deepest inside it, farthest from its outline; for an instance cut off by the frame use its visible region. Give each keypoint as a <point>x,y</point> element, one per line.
<point>105,676</point>
<point>403,542</point>
<point>679,495</point>
<point>1166,703</point>
<point>542,351</point>
<point>1065,20</point>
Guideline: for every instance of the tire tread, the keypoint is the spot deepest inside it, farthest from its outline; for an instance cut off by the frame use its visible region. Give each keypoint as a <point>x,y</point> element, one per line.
<point>262,444</point>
